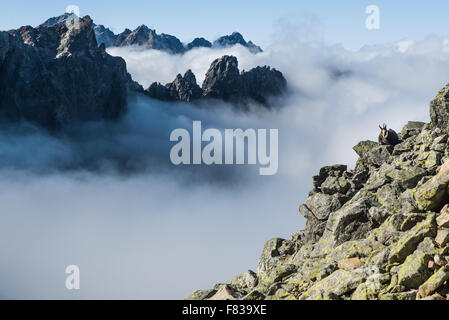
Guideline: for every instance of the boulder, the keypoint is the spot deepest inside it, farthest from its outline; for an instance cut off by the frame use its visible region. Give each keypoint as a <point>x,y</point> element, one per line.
<point>336,170</point>
<point>410,240</point>
<point>202,294</point>
<point>334,286</point>
<point>363,147</point>
<point>320,205</point>
<point>224,292</point>
<point>407,176</point>
<point>350,222</point>
<point>442,237</point>
<point>434,282</point>
<point>334,185</point>
<point>370,289</point>
<point>412,128</point>
<point>270,255</point>
<point>377,155</point>
<point>433,193</point>
<point>349,264</point>
<point>414,271</point>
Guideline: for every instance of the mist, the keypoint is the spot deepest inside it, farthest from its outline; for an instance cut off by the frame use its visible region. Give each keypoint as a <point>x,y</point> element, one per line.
<point>105,197</point>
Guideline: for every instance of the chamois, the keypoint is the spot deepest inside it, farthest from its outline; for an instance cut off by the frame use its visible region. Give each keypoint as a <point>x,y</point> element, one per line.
<point>388,137</point>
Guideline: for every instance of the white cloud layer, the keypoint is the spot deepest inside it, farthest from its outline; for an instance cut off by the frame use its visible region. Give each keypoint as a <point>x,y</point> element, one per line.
<point>164,232</point>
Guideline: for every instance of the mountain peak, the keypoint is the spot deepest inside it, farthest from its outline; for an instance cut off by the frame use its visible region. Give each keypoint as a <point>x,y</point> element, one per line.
<point>59,19</point>
<point>224,81</point>
<point>236,38</point>
<point>145,36</point>
<point>60,75</point>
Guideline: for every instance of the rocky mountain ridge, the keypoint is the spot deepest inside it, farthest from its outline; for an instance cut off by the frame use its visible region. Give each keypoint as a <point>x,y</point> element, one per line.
<point>147,37</point>
<point>379,231</point>
<point>224,81</point>
<point>52,75</point>
<point>57,74</point>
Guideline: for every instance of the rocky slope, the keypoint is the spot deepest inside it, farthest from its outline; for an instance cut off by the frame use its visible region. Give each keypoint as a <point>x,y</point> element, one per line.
<point>52,75</point>
<point>224,81</point>
<point>144,36</point>
<point>379,231</point>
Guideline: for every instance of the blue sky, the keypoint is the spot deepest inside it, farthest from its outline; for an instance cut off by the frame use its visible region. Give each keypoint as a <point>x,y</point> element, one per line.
<point>328,20</point>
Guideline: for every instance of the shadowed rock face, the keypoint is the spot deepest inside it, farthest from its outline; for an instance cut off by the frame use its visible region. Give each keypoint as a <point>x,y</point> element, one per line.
<point>183,88</point>
<point>104,35</point>
<point>198,43</point>
<point>57,74</point>
<point>223,81</point>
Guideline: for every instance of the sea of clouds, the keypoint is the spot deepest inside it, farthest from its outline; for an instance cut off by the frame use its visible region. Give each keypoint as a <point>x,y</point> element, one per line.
<point>105,196</point>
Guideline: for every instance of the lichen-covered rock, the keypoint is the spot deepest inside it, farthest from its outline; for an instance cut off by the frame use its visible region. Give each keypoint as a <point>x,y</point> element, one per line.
<point>202,294</point>
<point>363,147</point>
<point>414,271</point>
<point>439,109</point>
<point>334,185</point>
<point>336,170</point>
<point>433,193</point>
<point>378,215</point>
<point>334,286</point>
<point>270,255</point>
<point>434,282</point>
<point>370,289</point>
<point>407,177</point>
<point>406,295</point>
<point>443,220</point>
<point>410,240</point>
<point>244,282</point>
<point>225,292</point>
<point>411,128</point>
<point>388,196</point>
<point>349,222</point>
<point>377,155</point>
<point>320,205</point>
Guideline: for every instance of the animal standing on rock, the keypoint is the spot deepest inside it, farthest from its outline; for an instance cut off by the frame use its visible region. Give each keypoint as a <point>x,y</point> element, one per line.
<point>388,136</point>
